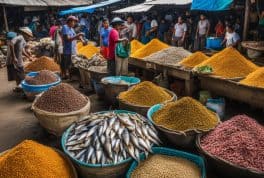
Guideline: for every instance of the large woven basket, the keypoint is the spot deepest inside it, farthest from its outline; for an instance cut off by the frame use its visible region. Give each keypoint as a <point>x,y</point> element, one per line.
<point>226,168</point>
<point>143,110</point>
<point>73,170</point>
<point>57,123</point>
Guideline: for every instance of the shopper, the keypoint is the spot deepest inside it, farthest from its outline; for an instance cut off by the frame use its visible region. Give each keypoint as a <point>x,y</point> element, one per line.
<point>16,51</point>
<point>131,28</point>
<point>179,33</point>
<point>145,38</point>
<point>162,30</point>
<point>232,39</point>
<point>58,48</point>
<point>202,32</point>
<point>220,29</point>
<point>113,40</point>
<point>104,37</point>
<point>69,45</point>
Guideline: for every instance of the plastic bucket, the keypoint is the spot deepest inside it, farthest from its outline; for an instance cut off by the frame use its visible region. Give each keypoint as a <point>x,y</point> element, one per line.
<point>214,43</point>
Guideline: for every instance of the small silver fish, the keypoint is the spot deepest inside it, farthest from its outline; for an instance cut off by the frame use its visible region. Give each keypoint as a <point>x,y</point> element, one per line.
<point>90,152</point>
<point>93,159</point>
<point>81,153</point>
<point>131,152</point>
<point>111,122</point>
<point>102,139</point>
<point>142,143</point>
<point>126,121</point>
<point>134,140</point>
<point>116,146</point>
<point>99,155</point>
<point>105,126</point>
<point>116,126</point>
<point>72,143</point>
<point>74,148</point>
<point>112,134</point>
<point>91,131</point>
<point>73,137</point>
<point>125,136</point>
<point>94,122</point>
<point>137,154</point>
<point>120,131</point>
<point>108,148</point>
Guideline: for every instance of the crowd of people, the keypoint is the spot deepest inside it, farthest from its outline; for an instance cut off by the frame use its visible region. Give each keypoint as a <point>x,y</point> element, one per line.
<point>114,34</point>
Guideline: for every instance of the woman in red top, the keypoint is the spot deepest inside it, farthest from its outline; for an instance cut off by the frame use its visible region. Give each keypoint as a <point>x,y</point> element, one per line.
<point>220,29</point>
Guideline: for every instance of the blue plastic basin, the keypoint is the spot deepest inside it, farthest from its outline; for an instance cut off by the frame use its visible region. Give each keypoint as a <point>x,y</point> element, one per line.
<point>117,79</point>
<point>214,43</point>
<point>38,88</point>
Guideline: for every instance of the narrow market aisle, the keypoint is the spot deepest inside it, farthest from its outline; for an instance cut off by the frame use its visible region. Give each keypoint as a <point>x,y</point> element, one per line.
<point>18,123</point>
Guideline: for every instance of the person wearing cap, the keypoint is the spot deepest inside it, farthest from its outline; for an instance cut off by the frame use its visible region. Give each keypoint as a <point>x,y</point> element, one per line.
<point>113,40</point>
<point>69,45</point>
<point>16,48</point>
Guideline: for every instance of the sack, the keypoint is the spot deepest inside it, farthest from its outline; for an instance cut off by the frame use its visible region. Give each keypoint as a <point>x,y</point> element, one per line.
<point>122,51</point>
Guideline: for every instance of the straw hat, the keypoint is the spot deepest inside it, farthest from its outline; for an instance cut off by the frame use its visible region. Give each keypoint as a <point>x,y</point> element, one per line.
<point>26,30</point>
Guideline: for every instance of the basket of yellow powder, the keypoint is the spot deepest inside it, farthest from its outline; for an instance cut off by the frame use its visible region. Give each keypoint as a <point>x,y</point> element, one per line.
<point>229,64</point>
<point>168,163</point>
<point>142,96</point>
<point>34,160</point>
<point>182,120</point>
<point>254,79</point>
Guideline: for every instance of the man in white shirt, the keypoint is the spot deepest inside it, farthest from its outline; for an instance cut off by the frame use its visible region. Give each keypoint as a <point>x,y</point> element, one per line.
<point>131,28</point>
<point>179,33</point>
<point>232,39</point>
<point>202,32</point>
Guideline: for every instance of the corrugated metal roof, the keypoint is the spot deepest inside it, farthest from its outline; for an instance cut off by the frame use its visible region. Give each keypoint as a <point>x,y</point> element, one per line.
<point>169,2</point>
<point>46,2</point>
<point>134,9</point>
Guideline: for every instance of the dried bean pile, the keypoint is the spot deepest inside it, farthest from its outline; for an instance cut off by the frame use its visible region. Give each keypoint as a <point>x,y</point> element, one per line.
<point>43,77</point>
<point>62,98</point>
<point>42,63</point>
<point>162,166</point>
<point>239,140</point>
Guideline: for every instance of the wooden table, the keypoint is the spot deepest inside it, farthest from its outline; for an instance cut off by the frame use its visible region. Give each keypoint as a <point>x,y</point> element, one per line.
<point>231,89</point>
<point>172,71</point>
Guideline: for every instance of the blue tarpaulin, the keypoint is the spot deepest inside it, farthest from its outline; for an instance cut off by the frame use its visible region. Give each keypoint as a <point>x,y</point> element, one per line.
<point>88,9</point>
<point>211,5</point>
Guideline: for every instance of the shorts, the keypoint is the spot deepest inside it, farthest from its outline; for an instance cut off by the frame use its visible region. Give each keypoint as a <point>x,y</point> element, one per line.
<point>66,61</point>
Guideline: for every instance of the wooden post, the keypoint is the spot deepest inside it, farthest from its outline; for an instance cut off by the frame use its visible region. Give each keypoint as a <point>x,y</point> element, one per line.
<point>5,19</point>
<point>246,20</point>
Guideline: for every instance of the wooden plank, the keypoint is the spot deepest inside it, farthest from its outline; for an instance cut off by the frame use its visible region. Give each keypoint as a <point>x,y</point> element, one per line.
<point>233,90</point>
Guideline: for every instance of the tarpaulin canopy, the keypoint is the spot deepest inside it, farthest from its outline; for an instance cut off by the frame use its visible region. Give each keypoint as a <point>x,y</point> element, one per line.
<point>211,5</point>
<point>135,9</point>
<point>88,9</point>
<point>45,3</point>
<point>169,2</point>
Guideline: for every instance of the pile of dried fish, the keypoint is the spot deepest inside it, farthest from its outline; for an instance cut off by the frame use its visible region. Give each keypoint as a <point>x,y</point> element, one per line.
<point>96,60</point>
<point>110,138</point>
<point>169,56</point>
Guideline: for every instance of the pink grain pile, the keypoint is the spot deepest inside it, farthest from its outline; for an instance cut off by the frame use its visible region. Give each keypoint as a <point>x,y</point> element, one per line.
<point>239,140</point>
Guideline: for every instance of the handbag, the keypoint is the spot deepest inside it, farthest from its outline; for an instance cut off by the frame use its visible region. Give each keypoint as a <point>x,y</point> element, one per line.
<point>122,51</point>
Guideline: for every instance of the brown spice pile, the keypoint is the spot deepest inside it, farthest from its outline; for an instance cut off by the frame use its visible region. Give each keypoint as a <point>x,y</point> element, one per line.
<point>145,94</point>
<point>255,79</point>
<point>163,166</point>
<point>43,77</point>
<point>185,114</point>
<point>229,63</point>
<point>194,59</point>
<point>42,63</point>
<point>62,98</point>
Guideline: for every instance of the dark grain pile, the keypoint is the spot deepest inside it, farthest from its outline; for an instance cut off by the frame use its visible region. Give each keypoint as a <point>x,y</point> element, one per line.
<point>43,77</point>
<point>61,99</point>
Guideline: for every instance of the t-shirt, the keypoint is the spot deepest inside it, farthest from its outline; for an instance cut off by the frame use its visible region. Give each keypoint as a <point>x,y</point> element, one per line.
<point>69,47</point>
<point>104,33</point>
<point>153,23</point>
<point>180,29</point>
<point>203,26</point>
<point>113,38</point>
<point>132,30</point>
<point>19,43</point>
<point>231,38</point>
<point>52,31</point>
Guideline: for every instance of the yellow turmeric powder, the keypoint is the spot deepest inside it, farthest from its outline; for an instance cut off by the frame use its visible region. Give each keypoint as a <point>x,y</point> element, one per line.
<point>194,59</point>
<point>255,79</point>
<point>229,63</point>
<point>145,94</point>
<point>185,114</point>
<point>31,159</point>
<point>135,45</point>
<point>88,51</point>
<point>79,45</point>
<point>153,46</point>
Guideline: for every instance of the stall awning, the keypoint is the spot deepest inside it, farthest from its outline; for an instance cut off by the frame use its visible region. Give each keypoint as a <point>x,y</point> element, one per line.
<point>169,2</point>
<point>211,5</point>
<point>135,9</point>
<point>45,3</point>
<point>88,9</point>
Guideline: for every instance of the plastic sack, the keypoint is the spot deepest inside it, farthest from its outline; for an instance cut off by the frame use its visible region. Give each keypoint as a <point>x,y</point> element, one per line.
<point>217,105</point>
<point>122,50</point>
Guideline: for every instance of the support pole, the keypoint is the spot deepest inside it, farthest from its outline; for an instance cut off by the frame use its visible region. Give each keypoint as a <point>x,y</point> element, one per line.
<point>246,20</point>
<point>5,19</point>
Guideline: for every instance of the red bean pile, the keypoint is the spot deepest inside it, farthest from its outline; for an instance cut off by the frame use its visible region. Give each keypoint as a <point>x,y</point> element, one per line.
<point>62,98</point>
<point>43,77</point>
<point>239,140</point>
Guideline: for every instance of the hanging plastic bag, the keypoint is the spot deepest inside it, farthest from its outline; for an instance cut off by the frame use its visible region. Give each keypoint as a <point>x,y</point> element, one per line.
<point>122,50</point>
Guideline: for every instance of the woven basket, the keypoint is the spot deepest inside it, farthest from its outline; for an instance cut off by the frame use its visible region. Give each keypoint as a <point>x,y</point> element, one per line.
<point>56,123</point>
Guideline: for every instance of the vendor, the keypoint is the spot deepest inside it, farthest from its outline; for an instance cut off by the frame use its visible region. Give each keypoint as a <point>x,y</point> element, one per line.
<point>220,29</point>
<point>104,36</point>
<point>16,50</point>
<point>231,39</point>
<point>203,28</point>
<point>69,41</point>
<point>179,33</point>
<point>113,40</point>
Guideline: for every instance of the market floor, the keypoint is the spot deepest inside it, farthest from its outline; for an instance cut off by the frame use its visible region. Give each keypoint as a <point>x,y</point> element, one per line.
<point>17,121</point>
